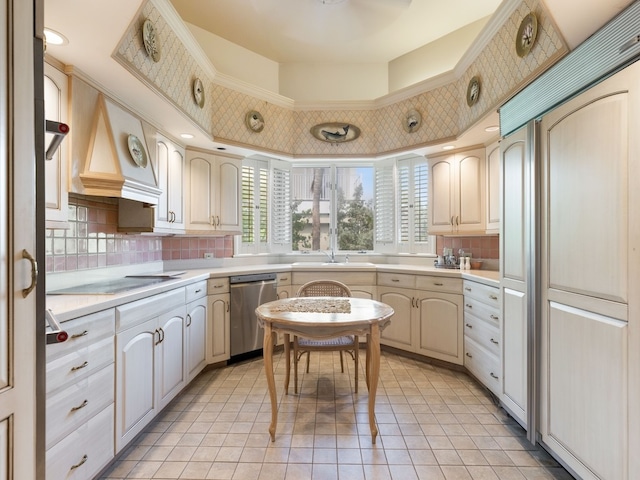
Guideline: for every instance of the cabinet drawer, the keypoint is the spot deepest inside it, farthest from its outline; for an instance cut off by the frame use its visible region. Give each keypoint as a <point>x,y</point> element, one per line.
<point>82,332</point>
<point>487,335</point>
<point>135,313</point>
<point>195,291</point>
<point>401,280</point>
<point>79,364</point>
<point>86,450</point>
<point>217,285</point>
<point>283,278</point>
<point>484,293</point>
<point>484,366</point>
<point>73,406</point>
<point>348,278</point>
<point>439,284</point>
<point>482,311</point>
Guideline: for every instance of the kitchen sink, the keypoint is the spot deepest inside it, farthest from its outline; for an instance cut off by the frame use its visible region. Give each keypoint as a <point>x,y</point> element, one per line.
<point>334,264</point>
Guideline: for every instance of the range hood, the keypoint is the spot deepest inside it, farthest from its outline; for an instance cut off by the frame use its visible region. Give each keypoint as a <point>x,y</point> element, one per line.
<point>110,157</point>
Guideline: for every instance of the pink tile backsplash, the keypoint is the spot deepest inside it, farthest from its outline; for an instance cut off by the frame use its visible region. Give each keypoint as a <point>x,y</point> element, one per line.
<point>484,246</point>
<point>92,240</point>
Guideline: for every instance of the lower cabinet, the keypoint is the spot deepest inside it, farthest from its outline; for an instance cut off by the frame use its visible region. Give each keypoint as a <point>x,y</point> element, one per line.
<point>218,327</point>
<point>79,402</point>
<point>440,325</point>
<point>400,332</point>
<point>196,337</point>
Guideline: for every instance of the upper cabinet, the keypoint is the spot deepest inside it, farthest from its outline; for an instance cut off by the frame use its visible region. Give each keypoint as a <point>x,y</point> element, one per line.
<point>493,188</point>
<point>56,91</point>
<point>213,193</point>
<point>457,193</point>
<point>170,173</point>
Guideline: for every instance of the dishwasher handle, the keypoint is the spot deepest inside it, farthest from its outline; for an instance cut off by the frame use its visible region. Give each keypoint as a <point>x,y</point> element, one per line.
<point>261,282</point>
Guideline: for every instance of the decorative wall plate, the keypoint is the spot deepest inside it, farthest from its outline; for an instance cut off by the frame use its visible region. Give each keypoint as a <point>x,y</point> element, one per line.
<point>335,132</point>
<point>198,92</point>
<point>526,36</point>
<point>150,40</point>
<point>137,151</point>
<point>473,91</point>
<point>412,121</point>
<point>254,121</point>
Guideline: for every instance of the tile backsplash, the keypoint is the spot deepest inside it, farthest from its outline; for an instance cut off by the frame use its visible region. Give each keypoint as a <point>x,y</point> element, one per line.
<point>482,246</point>
<point>92,240</point>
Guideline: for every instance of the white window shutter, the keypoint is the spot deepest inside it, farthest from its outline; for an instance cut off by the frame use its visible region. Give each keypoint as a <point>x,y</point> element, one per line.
<point>385,206</point>
<point>280,206</point>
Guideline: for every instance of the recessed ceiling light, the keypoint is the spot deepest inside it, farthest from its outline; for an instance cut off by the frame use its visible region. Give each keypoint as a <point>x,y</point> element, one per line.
<point>492,128</point>
<point>448,147</point>
<point>186,135</point>
<point>54,38</point>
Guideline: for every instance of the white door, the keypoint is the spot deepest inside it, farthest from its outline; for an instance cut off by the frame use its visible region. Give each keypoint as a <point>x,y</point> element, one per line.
<point>18,325</point>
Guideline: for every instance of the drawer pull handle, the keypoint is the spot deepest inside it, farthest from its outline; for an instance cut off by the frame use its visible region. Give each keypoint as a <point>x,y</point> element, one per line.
<point>494,375</point>
<point>198,290</point>
<point>284,279</point>
<point>82,405</point>
<point>79,367</point>
<point>438,284</point>
<point>494,341</point>
<point>495,317</point>
<point>395,279</point>
<point>468,305</point>
<point>469,355</point>
<point>80,463</point>
<point>493,297</point>
<point>467,289</point>
<point>77,335</point>
<point>218,286</point>
<point>468,325</point>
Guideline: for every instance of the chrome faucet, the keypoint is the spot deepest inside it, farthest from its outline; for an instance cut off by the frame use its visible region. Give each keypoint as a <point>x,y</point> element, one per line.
<point>332,256</point>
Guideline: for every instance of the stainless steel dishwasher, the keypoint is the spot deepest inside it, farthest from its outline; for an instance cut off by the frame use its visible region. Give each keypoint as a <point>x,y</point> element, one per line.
<point>247,293</point>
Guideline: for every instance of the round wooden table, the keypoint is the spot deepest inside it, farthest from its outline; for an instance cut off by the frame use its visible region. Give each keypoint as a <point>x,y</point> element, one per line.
<point>322,318</point>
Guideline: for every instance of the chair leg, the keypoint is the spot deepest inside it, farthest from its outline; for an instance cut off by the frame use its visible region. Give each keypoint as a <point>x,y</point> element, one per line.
<point>341,362</point>
<point>295,365</point>
<point>308,358</point>
<point>355,359</point>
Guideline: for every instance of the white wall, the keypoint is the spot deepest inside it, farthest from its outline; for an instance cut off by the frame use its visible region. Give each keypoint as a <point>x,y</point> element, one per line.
<point>237,62</point>
<point>434,58</point>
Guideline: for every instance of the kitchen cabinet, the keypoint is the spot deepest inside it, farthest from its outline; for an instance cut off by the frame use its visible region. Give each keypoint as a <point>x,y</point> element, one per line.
<point>56,101</point>
<point>150,356</point>
<point>170,174</point>
<point>482,337</point>
<point>80,398</point>
<point>428,314</point>
<point>213,193</point>
<point>492,222</point>
<point>589,384</point>
<point>218,326</point>
<point>196,329</point>
<point>457,193</point>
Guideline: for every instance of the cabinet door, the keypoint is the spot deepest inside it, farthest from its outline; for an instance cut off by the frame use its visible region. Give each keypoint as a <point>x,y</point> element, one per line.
<point>469,190</point>
<point>218,339</point>
<point>201,191</point>
<point>440,324</point>
<point>56,108</point>
<point>441,195</point>
<point>493,189</point>
<point>170,173</point>
<point>170,371</point>
<point>227,211</point>
<point>136,361</point>
<point>196,338</point>
<point>399,333</point>
<point>514,342</point>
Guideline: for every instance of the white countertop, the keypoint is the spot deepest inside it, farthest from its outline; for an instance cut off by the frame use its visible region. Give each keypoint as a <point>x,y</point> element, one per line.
<point>67,307</point>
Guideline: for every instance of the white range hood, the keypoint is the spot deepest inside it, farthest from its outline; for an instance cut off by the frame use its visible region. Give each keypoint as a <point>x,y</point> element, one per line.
<point>110,157</point>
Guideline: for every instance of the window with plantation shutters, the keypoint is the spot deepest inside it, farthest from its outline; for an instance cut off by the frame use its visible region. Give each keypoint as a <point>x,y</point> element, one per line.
<point>280,206</point>
<point>255,206</point>
<point>413,202</point>
<point>385,206</point>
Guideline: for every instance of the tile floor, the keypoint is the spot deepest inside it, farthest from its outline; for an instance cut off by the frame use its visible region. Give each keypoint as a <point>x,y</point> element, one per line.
<point>434,423</point>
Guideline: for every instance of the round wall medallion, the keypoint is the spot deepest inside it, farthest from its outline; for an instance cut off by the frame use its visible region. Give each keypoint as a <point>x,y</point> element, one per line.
<point>254,121</point>
<point>412,121</point>
<point>527,33</point>
<point>473,91</point>
<point>198,92</point>
<point>150,40</point>
<point>137,151</point>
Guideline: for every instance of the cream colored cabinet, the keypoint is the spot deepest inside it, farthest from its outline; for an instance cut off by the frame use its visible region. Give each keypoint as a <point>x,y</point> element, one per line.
<point>428,314</point>
<point>196,329</point>
<point>492,222</point>
<point>56,92</point>
<point>283,282</point>
<point>80,398</point>
<point>170,173</point>
<point>213,193</point>
<point>590,388</point>
<point>218,327</point>
<point>482,337</point>
<point>457,192</point>
<point>149,360</point>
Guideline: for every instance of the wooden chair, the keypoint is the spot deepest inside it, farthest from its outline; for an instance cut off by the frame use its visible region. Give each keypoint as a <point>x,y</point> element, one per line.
<point>348,343</point>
